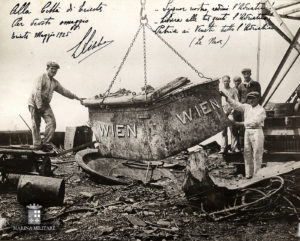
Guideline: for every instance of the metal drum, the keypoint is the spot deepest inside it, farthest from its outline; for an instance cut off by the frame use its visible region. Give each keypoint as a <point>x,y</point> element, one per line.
<point>45,191</point>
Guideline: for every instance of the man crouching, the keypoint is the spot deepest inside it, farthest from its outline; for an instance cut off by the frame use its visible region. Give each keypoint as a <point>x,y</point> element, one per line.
<point>254,116</point>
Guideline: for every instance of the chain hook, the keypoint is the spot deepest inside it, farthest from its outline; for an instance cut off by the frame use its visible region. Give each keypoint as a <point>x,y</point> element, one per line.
<point>143,15</point>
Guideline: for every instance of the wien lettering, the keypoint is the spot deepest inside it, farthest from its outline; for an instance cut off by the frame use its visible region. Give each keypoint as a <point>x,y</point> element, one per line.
<point>117,130</point>
<point>201,109</point>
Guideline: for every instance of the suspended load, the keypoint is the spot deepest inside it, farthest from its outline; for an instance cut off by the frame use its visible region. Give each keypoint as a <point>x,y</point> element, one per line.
<point>158,123</point>
<point>132,127</point>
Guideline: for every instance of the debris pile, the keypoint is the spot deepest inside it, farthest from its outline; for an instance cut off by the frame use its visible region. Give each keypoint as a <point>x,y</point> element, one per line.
<point>209,187</point>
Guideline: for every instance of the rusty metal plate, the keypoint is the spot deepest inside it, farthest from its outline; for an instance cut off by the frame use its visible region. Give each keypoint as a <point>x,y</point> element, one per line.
<point>163,128</point>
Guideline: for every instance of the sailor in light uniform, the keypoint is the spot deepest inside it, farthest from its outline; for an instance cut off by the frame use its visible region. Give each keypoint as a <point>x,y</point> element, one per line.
<point>254,116</point>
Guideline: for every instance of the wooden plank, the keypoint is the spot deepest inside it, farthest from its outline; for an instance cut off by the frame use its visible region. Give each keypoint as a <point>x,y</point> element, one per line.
<point>284,153</point>
<point>263,173</point>
<point>173,85</point>
<point>13,151</point>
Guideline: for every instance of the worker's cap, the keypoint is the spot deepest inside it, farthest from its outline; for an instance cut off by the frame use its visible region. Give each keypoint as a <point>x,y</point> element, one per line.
<point>253,94</point>
<point>237,78</point>
<point>246,70</point>
<point>53,64</point>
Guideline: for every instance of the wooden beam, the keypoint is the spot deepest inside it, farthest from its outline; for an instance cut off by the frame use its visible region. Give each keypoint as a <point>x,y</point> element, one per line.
<point>282,63</point>
<point>278,30</point>
<point>291,11</point>
<point>282,78</point>
<point>287,4</point>
<point>291,17</point>
<point>296,16</point>
<point>292,96</point>
<point>281,24</point>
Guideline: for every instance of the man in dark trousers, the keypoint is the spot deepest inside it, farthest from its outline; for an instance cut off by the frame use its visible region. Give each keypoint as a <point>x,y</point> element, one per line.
<point>39,105</point>
<point>237,117</point>
<point>249,85</point>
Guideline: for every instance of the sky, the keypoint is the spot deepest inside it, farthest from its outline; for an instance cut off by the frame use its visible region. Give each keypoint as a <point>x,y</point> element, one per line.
<point>22,61</point>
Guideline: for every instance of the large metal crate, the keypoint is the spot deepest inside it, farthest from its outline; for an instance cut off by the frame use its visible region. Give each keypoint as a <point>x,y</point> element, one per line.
<point>156,129</point>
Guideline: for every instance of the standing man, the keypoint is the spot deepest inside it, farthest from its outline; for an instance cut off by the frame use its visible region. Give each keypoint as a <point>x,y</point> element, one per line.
<point>237,80</point>
<point>254,116</point>
<point>237,117</point>
<point>39,105</point>
<point>232,93</point>
<point>249,85</point>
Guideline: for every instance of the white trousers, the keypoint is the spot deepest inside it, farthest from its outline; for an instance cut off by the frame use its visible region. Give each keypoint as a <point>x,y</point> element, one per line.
<point>253,150</point>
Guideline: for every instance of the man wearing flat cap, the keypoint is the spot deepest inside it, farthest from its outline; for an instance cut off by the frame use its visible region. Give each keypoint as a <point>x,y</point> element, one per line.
<point>39,105</point>
<point>249,85</point>
<point>254,116</point>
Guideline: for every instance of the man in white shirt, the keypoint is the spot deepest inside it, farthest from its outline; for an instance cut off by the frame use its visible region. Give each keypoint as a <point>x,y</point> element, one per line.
<point>254,116</point>
<point>232,93</point>
<point>39,105</point>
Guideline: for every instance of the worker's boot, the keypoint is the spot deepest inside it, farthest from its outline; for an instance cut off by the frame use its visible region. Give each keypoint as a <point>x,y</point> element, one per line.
<point>222,151</point>
<point>47,147</point>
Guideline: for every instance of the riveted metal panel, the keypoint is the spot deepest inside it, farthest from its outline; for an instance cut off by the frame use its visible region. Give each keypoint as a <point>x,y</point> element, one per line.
<point>156,130</point>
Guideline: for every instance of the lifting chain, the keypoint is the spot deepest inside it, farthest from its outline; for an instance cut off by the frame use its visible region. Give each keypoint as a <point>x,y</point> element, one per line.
<point>178,54</point>
<point>143,15</point>
<point>144,22</point>
<point>106,93</point>
<point>145,61</point>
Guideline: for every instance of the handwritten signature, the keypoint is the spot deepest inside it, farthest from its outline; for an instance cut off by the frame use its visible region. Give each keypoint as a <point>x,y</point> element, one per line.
<point>88,44</point>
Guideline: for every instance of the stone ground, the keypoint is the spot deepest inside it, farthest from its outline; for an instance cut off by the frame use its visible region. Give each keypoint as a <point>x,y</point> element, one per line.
<point>134,212</point>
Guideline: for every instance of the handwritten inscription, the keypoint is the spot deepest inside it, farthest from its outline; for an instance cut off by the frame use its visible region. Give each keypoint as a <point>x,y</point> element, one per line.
<point>21,9</point>
<point>84,8</point>
<point>210,19</point>
<point>49,14</point>
<point>206,23</point>
<point>75,24</point>
<point>198,111</point>
<point>88,44</point>
<point>51,7</point>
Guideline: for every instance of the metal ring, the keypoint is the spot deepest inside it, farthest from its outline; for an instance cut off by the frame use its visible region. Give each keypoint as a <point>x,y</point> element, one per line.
<point>144,20</point>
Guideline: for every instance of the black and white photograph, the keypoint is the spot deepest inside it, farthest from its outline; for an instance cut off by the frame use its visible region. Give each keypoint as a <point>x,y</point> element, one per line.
<point>150,120</point>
